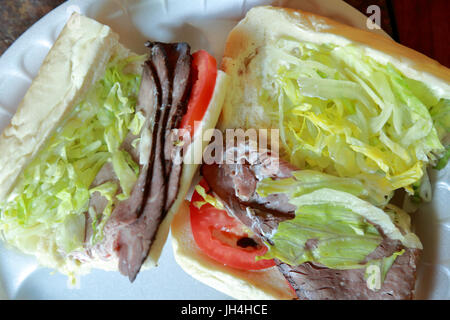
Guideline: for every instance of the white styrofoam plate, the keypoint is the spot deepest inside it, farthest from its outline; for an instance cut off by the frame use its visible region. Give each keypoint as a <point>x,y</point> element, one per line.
<point>204,24</point>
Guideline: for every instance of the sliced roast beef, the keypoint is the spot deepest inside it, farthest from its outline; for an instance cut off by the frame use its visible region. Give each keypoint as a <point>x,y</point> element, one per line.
<point>171,63</point>
<point>180,96</point>
<point>313,282</point>
<point>235,184</point>
<point>133,240</point>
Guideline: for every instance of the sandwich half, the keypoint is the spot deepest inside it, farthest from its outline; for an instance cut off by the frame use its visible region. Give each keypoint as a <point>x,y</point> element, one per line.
<point>356,117</point>
<point>90,169</point>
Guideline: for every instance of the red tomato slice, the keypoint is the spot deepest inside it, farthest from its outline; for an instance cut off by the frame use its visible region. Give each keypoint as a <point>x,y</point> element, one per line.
<point>203,73</point>
<point>217,235</point>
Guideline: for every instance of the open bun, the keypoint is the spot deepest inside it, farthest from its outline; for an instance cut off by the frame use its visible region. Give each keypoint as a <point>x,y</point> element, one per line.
<point>261,26</point>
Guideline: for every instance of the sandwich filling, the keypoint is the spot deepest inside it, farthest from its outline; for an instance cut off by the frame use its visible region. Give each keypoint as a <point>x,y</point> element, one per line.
<point>165,92</point>
<point>320,230</point>
<point>341,112</point>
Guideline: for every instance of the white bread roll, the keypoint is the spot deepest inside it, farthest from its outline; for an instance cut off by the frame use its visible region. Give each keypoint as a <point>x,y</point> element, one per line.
<point>260,27</point>
<point>76,61</point>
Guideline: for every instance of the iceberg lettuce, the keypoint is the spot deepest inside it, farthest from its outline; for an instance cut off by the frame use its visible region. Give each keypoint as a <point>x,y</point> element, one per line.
<point>334,225</point>
<point>332,228</point>
<point>341,112</point>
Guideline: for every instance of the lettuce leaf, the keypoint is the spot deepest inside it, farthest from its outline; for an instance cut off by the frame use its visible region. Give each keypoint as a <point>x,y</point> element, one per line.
<point>306,181</point>
<point>107,190</point>
<point>207,199</point>
<point>334,224</point>
<point>45,213</point>
<point>333,236</point>
<point>332,228</point>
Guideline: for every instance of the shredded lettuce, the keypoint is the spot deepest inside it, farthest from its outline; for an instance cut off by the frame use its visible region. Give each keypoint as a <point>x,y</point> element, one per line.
<point>341,112</point>
<point>45,214</point>
<point>99,219</point>
<point>440,112</point>
<point>441,117</point>
<point>207,199</point>
<point>444,160</point>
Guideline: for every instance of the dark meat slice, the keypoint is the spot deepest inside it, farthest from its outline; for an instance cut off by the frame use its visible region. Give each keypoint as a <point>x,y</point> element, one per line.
<point>181,83</point>
<point>171,63</point>
<point>134,239</point>
<point>175,80</point>
<point>256,212</point>
<point>180,96</point>
<point>313,282</point>
<point>149,100</point>
<point>235,185</point>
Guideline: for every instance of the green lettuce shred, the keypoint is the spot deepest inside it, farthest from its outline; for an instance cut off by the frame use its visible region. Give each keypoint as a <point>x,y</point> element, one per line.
<point>333,236</point>
<point>108,190</point>
<point>207,199</point>
<point>305,181</point>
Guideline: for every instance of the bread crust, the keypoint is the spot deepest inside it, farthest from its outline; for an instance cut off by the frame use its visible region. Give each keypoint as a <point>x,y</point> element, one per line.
<point>265,22</point>
<point>76,61</point>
